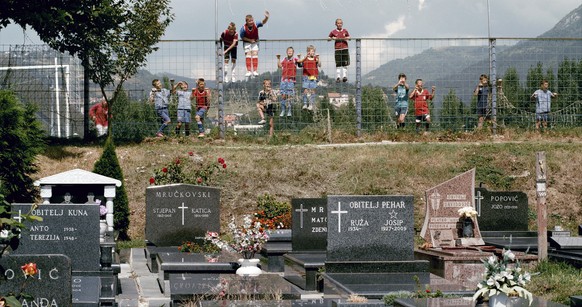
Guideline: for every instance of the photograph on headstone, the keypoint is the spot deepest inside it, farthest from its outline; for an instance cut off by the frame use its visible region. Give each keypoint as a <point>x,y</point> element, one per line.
<point>181,212</point>
<point>450,216</point>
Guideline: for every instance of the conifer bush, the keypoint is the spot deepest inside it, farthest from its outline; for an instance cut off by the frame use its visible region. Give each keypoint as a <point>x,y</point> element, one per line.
<point>108,165</point>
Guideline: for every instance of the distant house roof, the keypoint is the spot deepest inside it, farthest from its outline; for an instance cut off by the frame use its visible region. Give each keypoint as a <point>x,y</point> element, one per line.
<point>77,176</point>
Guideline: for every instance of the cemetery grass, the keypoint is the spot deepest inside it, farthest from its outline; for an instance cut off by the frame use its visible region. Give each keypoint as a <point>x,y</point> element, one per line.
<point>404,164</point>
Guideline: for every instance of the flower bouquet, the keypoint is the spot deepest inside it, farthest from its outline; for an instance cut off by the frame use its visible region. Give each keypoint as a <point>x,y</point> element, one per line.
<point>102,209</point>
<point>246,239</point>
<point>503,276</point>
<point>467,212</point>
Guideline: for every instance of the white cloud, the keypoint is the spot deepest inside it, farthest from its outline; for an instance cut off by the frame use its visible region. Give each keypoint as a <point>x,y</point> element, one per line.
<point>395,26</point>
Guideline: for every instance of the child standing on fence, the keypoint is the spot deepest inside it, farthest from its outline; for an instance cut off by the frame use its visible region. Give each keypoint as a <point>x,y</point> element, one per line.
<point>288,76</point>
<point>266,104</point>
<point>310,74</point>
<point>340,36</point>
<point>421,97</point>
<point>184,107</point>
<point>249,34</point>
<point>482,93</point>
<point>201,96</point>
<point>401,107</point>
<point>543,98</point>
<point>160,97</point>
<point>229,40</point>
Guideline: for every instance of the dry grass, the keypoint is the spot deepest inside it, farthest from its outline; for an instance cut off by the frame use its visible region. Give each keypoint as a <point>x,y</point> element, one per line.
<point>407,167</point>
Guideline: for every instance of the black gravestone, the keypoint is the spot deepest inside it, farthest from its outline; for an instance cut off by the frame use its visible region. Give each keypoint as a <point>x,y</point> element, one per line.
<point>580,230</point>
<point>501,211</point>
<point>86,290</point>
<point>370,228</point>
<point>309,228</point>
<point>68,229</point>
<point>181,212</point>
<point>50,286</point>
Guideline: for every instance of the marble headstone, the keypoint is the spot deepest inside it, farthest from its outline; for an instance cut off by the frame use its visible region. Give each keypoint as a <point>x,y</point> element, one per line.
<point>370,228</point>
<point>501,210</point>
<point>309,228</point>
<point>181,212</point>
<point>68,229</point>
<point>442,221</point>
<point>51,286</point>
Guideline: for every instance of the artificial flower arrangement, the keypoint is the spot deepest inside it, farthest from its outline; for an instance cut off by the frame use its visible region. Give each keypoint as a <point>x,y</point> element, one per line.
<point>246,239</point>
<point>503,276</point>
<point>102,209</point>
<point>467,212</point>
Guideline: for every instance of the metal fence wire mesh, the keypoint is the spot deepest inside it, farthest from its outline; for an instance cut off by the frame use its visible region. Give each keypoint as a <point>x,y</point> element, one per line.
<point>363,104</point>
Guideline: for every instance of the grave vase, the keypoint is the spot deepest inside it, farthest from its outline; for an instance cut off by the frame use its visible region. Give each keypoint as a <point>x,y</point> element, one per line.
<point>467,227</point>
<point>502,300</point>
<point>102,230</point>
<point>248,267</point>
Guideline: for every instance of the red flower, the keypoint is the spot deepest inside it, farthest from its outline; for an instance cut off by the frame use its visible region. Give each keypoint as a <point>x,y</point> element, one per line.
<point>152,180</point>
<point>427,290</point>
<point>190,153</point>
<point>29,269</point>
<point>165,170</point>
<point>177,161</point>
<point>199,180</point>
<point>221,160</point>
<point>224,165</point>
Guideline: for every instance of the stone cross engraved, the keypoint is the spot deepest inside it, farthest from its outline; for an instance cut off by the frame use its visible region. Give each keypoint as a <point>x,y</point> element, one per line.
<point>301,210</point>
<point>339,213</point>
<point>19,217</point>
<point>478,199</point>
<point>183,207</point>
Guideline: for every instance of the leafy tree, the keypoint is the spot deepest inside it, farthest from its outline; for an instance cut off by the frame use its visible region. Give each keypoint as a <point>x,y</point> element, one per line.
<point>108,165</point>
<point>568,86</point>
<point>453,112</point>
<point>111,37</point>
<point>21,139</point>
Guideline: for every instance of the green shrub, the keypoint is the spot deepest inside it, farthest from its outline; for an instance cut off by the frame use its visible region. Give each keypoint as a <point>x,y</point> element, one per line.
<point>273,214</point>
<point>108,165</point>
<point>21,139</point>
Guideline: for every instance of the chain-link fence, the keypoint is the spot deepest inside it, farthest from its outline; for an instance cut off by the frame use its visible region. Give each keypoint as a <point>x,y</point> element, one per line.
<point>363,104</point>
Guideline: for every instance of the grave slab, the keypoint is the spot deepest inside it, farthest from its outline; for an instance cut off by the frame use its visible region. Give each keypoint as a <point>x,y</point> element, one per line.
<point>181,212</point>
<point>262,287</point>
<point>442,225</point>
<point>309,224</point>
<point>86,290</point>
<point>566,242</point>
<point>51,286</point>
<point>501,210</point>
<point>68,229</point>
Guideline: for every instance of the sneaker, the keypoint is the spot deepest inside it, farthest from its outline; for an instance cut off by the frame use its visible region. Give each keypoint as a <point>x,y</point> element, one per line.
<point>288,114</point>
<point>282,114</point>
<point>160,135</point>
<point>226,79</point>
<point>233,79</point>
<point>304,107</point>
<point>262,122</point>
<point>338,80</point>
<point>345,79</point>
<point>248,74</point>
<point>255,73</point>
<point>201,134</point>
<point>310,107</point>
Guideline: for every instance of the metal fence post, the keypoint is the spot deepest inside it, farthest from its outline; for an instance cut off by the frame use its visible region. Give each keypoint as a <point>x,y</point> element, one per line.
<point>358,87</point>
<point>220,88</point>
<point>493,74</point>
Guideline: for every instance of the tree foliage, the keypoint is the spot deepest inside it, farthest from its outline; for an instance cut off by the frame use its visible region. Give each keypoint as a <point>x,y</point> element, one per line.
<point>21,139</point>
